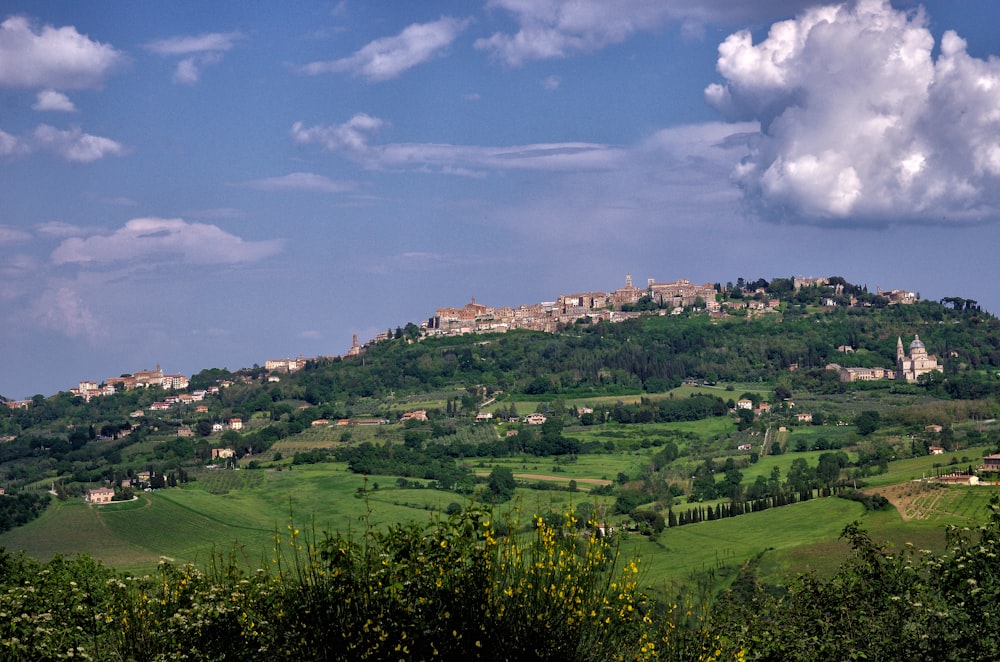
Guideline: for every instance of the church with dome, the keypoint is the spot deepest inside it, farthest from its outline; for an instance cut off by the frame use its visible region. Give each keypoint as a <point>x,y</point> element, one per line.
<point>919,362</point>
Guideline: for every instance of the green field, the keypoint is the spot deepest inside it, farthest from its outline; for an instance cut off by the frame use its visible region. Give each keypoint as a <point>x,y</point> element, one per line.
<point>242,510</point>
<point>681,552</point>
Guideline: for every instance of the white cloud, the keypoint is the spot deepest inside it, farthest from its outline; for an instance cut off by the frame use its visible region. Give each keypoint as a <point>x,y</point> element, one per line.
<point>163,240</point>
<point>74,145</point>
<point>562,28</point>
<point>200,51</point>
<point>52,100</point>
<point>551,83</point>
<point>202,43</point>
<point>60,229</point>
<point>9,235</point>
<point>302,181</point>
<point>559,28</point>
<point>12,146</point>
<point>60,308</point>
<point>388,57</point>
<point>187,72</point>
<point>352,138</point>
<point>52,57</point>
<point>860,122</point>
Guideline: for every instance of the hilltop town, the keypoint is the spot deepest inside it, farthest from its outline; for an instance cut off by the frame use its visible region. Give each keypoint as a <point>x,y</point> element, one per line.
<point>656,298</point>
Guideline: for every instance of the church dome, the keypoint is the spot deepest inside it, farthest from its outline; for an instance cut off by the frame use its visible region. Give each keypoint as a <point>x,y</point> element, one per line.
<point>917,343</point>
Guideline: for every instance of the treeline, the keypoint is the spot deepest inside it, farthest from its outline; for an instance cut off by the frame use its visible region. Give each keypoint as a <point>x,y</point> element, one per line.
<point>695,408</point>
<point>784,498</point>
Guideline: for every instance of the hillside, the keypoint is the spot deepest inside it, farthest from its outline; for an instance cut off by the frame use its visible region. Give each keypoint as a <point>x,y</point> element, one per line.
<point>652,423</point>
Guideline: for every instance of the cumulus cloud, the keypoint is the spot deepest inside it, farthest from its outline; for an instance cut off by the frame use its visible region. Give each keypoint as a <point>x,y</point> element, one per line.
<point>562,28</point>
<point>51,57</point>
<point>388,57</point>
<point>859,121</point>
<point>162,239</point>
<point>75,145</point>
<point>302,181</point>
<point>352,139</point>
<point>52,100</point>
<point>197,52</point>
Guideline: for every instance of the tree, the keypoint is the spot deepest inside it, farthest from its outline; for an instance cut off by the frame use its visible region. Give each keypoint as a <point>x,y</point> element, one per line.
<point>867,422</point>
<point>746,417</point>
<point>500,486</point>
<point>828,470</point>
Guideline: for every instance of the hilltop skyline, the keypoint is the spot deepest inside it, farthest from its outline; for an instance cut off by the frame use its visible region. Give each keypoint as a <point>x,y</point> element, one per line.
<point>614,305</point>
<point>211,189</point>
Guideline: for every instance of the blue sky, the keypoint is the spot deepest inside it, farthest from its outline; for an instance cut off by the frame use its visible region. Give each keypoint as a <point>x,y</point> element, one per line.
<point>216,185</point>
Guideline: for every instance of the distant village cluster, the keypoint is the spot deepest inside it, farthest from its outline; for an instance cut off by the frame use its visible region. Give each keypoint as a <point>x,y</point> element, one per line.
<point>669,298</point>
<point>568,308</point>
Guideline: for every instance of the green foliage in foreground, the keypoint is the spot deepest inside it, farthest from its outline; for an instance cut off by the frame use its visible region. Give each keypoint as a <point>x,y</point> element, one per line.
<point>881,604</point>
<point>470,587</point>
<point>455,587</point>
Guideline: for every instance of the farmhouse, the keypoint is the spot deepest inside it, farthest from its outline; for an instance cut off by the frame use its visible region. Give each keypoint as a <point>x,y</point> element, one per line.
<point>100,495</point>
<point>991,462</point>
